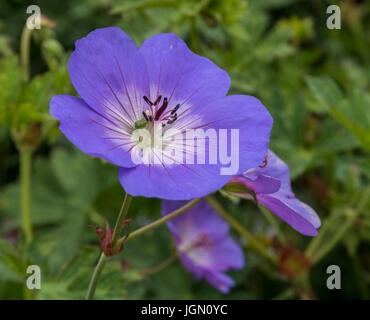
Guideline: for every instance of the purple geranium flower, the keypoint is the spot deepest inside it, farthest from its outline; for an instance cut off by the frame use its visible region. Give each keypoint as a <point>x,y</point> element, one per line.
<point>203,243</point>
<point>163,84</point>
<point>270,185</point>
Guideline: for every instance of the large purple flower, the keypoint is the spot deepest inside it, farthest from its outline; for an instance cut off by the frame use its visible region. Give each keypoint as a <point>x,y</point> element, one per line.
<point>270,185</point>
<point>161,85</point>
<point>203,243</point>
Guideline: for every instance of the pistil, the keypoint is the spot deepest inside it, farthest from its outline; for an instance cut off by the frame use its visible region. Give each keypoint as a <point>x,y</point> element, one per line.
<point>157,114</point>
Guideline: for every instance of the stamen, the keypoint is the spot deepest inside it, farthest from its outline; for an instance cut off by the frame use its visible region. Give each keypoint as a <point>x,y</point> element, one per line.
<point>170,116</point>
<point>171,121</point>
<point>201,241</point>
<point>158,100</point>
<point>161,109</point>
<point>175,109</point>
<point>147,100</point>
<point>145,116</point>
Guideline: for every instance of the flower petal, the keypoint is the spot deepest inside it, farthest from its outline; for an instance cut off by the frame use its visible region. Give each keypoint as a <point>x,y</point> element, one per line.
<point>263,184</point>
<point>292,212</point>
<point>305,211</point>
<point>183,181</point>
<point>275,168</point>
<point>179,74</point>
<point>200,219</point>
<point>203,243</point>
<point>109,73</point>
<point>216,279</point>
<point>178,182</point>
<point>89,131</point>
<point>227,254</point>
<point>219,280</point>
<point>191,266</point>
<point>247,115</point>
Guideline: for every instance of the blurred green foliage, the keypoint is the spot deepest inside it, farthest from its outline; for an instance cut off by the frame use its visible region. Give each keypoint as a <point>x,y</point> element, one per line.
<point>314,81</point>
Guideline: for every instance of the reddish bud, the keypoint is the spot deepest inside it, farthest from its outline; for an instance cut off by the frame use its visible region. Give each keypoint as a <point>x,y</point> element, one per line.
<point>45,21</point>
<point>106,238</point>
<point>292,262</point>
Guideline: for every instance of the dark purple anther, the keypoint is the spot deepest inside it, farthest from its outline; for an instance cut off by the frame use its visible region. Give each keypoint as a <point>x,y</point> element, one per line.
<point>161,109</point>
<point>147,100</point>
<point>158,100</point>
<point>175,109</point>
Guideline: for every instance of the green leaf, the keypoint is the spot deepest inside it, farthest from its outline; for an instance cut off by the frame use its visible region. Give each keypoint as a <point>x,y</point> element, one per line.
<point>20,115</point>
<point>11,261</point>
<point>10,81</point>
<point>39,92</point>
<point>352,110</point>
<point>63,193</point>
<point>73,279</point>
<point>53,53</point>
<point>325,90</point>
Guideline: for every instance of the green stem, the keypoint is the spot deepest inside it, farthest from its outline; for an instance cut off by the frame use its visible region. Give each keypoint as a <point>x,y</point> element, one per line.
<point>25,174</point>
<point>25,52</point>
<point>160,221</point>
<point>159,267</point>
<point>116,243</point>
<point>103,258</point>
<point>120,219</point>
<point>253,242</point>
<point>94,279</point>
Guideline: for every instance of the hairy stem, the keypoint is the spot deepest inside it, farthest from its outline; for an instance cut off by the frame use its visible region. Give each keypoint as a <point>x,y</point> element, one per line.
<point>103,258</point>
<point>94,279</point>
<point>158,267</point>
<point>120,219</point>
<point>161,221</point>
<point>116,243</point>
<point>252,241</point>
<point>25,52</point>
<point>25,176</point>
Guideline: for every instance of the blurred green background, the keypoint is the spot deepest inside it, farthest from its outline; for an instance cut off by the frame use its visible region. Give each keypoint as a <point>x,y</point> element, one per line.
<point>315,83</point>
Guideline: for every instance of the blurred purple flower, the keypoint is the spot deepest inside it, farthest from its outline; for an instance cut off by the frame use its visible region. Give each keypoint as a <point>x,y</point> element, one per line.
<point>203,243</point>
<point>123,88</point>
<point>270,185</point>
